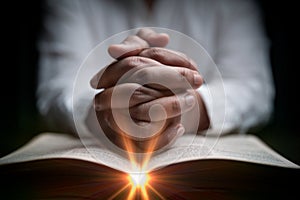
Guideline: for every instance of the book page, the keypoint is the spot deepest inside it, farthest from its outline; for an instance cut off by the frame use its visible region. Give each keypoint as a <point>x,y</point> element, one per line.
<point>59,145</point>
<point>247,148</point>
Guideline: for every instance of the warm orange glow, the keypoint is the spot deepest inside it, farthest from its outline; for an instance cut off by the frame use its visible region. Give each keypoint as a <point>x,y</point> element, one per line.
<point>149,152</point>
<point>138,179</point>
<point>118,192</point>
<point>140,164</point>
<point>130,148</point>
<point>139,182</point>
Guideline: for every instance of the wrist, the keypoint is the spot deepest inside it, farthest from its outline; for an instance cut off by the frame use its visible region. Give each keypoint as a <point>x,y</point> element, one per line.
<point>204,121</point>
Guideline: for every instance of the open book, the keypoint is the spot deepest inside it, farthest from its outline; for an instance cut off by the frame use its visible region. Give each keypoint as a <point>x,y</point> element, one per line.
<point>58,166</point>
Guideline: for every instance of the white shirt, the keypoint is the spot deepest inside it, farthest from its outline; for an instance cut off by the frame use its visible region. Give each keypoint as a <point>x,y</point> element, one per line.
<point>231,31</point>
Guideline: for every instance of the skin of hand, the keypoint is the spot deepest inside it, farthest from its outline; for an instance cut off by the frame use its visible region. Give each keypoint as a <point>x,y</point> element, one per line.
<point>139,62</point>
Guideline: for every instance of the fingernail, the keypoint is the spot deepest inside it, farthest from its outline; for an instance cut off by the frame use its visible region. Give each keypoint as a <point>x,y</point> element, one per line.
<point>189,100</point>
<point>197,79</point>
<point>180,131</point>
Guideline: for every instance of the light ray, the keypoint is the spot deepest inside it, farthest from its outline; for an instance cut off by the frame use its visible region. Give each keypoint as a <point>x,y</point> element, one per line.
<point>139,180</point>
<point>149,152</point>
<point>139,183</point>
<point>130,148</point>
<point>156,192</point>
<point>119,191</point>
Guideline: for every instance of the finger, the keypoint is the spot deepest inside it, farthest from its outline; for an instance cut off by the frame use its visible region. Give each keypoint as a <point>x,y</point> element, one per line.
<point>169,57</point>
<point>153,38</point>
<point>110,75</point>
<point>170,135</point>
<point>163,108</point>
<point>173,131</point>
<point>162,77</point>
<point>110,128</point>
<point>131,46</point>
<point>134,44</point>
<point>136,130</point>
<point>116,135</point>
<point>116,97</point>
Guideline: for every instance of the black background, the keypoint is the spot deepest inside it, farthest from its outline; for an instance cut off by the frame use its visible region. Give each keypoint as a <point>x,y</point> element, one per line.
<point>20,25</point>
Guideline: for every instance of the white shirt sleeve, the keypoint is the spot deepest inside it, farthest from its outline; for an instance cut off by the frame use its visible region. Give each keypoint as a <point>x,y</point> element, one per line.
<point>240,50</point>
<point>62,49</point>
<point>242,57</point>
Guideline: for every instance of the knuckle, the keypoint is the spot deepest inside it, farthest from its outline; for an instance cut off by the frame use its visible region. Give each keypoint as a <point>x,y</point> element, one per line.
<point>137,61</point>
<point>186,74</point>
<point>133,61</point>
<point>139,95</point>
<point>154,52</point>
<point>175,106</point>
<point>183,75</point>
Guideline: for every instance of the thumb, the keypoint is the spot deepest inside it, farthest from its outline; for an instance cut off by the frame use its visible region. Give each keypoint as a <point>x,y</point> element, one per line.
<point>134,44</point>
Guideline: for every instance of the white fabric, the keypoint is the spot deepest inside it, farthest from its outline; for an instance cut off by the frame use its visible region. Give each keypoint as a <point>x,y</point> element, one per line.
<point>230,31</point>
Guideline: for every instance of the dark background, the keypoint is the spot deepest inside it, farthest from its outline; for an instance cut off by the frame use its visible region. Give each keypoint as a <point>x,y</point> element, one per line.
<point>20,121</point>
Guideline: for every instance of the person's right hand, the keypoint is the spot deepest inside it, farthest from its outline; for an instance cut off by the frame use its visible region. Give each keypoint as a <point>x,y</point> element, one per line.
<point>139,75</point>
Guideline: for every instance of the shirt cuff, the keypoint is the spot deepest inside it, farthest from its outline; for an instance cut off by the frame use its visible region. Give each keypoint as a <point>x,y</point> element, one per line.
<point>214,98</point>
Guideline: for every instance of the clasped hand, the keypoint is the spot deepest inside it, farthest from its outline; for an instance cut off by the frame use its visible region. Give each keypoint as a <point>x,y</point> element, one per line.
<point>146,90</point>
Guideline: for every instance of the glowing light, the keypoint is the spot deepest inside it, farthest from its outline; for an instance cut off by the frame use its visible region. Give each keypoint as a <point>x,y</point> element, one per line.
<point>138,179</point>
<point>139,183</point>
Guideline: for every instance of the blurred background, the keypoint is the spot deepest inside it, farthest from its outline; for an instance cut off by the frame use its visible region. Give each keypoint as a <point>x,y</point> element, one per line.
<point>20,120</point>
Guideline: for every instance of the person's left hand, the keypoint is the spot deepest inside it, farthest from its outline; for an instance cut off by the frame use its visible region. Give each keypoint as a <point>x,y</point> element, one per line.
<point>152,65</point>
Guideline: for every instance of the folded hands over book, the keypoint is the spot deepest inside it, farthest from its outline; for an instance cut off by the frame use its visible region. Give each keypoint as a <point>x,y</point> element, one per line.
<point>146,91</point>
